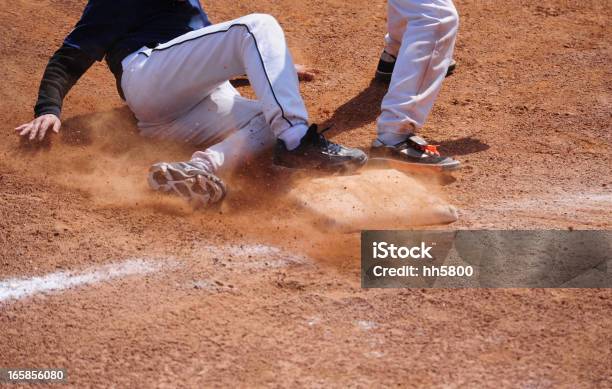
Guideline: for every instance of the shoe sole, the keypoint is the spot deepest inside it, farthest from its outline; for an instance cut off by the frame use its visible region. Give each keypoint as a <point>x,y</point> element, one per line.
<point>196,189</point>
<point>411,167</point>
<point>346,167</point>
<point>386,77</point>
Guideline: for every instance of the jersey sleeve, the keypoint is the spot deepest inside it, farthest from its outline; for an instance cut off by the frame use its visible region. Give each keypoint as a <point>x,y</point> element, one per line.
<point>64,69</point>
<point>94,34</point>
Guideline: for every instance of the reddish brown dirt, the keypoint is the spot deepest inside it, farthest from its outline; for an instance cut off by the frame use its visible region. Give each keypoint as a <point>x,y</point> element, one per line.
<point>528,112</point>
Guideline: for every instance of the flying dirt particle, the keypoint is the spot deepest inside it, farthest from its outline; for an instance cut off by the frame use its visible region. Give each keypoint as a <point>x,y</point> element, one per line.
<point>375,354</point>
<point>366,325</point>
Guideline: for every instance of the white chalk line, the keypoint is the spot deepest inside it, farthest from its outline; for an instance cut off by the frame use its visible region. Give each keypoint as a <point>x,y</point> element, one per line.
<point>248,256</point>
<point>19,288</point>
<point>561,202</point>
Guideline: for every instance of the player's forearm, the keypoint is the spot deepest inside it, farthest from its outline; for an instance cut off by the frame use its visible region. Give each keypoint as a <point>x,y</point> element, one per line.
<point>65,67</point>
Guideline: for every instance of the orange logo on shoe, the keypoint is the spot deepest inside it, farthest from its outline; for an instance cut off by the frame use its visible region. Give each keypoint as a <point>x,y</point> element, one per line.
<point>431,149</point>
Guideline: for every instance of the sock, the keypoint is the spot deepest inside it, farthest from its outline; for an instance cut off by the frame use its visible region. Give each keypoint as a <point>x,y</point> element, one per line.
<point>210,159</point>
<point>292,136</point>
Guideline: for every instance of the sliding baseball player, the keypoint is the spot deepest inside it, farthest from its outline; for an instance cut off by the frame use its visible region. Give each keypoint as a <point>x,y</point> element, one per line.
<point>172,67</point>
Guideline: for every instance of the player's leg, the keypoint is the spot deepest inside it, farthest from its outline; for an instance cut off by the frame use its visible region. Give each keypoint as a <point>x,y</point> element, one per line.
<point>422,62</point>
<point>171,77</point>
<point>232,129</point>
<point>235,130</point>
<point>426,50</point>
<point>189,67</point>
<point>396,27</point>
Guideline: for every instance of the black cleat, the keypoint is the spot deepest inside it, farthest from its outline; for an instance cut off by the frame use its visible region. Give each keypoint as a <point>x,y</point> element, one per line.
<point>411,153</point>
<point>386,64</point>
<point>316,152</point>
<point>451,68</point>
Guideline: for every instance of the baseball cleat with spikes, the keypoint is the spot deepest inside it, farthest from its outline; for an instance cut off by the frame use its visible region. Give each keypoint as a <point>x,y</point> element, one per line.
<point>318,153</point>
<point>412,153</point>
<point>193,181</point>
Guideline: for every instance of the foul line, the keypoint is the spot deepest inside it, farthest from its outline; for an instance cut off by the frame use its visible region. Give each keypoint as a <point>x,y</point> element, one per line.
<point>18,288</point>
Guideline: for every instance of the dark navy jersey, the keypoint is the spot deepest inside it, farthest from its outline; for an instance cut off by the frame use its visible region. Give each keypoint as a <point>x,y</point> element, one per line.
<point>113,29</point>
<point>110,25</point>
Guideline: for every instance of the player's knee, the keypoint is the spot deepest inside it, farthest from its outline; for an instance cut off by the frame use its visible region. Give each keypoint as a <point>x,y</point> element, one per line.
<point>262,21</point>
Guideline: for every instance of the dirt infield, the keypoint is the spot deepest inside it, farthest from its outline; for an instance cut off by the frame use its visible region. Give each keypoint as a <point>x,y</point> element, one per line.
<point>252,292</point>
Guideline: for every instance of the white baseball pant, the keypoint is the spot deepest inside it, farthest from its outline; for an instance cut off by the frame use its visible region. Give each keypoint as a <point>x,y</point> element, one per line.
<point>180,90</point>
<point>421,35</point>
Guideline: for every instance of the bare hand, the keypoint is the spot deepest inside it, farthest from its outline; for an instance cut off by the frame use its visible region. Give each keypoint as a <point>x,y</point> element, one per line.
<point>305,73</point>
<point>37,128</point>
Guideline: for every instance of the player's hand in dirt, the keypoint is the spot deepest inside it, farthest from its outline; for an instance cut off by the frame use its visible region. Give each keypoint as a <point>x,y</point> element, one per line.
<point>38,128</point>
<point>305,73</point>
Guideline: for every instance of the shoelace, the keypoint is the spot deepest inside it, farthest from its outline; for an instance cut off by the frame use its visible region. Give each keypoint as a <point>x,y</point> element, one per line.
<point>329,145</point>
